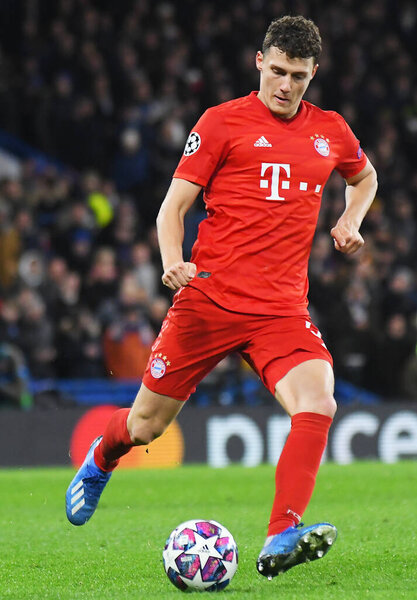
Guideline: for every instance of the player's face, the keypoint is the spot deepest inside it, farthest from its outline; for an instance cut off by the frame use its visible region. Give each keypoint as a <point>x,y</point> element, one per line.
<point>284,81</point>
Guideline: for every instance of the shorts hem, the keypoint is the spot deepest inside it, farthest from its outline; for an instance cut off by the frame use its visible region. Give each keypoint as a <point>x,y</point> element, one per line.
<point>270,381</point>
<point>153,389</point>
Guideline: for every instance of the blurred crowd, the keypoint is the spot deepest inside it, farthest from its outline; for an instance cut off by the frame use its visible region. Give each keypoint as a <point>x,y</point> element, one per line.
<point>110,90</point>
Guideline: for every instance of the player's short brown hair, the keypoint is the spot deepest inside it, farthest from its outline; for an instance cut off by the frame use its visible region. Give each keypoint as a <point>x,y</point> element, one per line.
<point>297,36</point>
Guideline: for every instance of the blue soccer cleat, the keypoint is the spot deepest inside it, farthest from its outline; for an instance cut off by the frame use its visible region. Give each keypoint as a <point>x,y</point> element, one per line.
<point>85,489</point>
<point>295,545</point>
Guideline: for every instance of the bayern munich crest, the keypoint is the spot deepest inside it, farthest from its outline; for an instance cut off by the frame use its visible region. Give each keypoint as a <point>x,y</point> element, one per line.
<point>158,367</point>
<point>192,144</point>
<point>321,144</point>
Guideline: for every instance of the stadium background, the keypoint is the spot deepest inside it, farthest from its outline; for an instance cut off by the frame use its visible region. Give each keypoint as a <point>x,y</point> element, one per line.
<point>96,102</point>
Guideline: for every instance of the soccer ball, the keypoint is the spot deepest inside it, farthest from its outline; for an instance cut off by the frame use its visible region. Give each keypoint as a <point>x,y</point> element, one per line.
<point>200,555</point>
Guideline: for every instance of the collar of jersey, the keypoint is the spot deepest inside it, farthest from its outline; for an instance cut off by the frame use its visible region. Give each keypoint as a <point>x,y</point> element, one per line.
<point>300,116</point>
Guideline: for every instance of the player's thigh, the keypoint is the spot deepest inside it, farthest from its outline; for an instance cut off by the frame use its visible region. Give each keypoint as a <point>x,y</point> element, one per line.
<point>293,362</point>
<point>307,387</point>
<point>151,414</point>
<point>195,336</point>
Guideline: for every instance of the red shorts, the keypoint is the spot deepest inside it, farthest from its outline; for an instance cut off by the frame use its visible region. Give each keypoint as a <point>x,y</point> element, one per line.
<point>197,334</point>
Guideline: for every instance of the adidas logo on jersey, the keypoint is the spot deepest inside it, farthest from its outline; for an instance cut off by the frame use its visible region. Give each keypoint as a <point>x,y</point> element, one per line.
<point>262,143</point>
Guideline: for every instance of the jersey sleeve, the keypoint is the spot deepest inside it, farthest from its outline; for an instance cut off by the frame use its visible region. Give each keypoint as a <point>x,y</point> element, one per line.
<point>352,159</point>
<point>204,149</point>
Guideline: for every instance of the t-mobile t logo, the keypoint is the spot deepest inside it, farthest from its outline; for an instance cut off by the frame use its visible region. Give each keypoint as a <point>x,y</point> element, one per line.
<point>275,179</point>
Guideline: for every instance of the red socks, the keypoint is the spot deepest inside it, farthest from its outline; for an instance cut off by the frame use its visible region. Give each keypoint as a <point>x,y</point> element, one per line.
<point>295,474</point>
<point>115,443</point>
<point>297,469</point>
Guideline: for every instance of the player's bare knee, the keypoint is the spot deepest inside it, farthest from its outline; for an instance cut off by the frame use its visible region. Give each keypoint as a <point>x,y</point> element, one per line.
<point>141,435</point>
<point>144,431</point>
<point>326,406</point>
<point>322,405</point>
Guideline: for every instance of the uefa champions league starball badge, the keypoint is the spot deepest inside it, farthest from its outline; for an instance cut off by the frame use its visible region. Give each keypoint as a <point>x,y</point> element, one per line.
<point>192,144</point>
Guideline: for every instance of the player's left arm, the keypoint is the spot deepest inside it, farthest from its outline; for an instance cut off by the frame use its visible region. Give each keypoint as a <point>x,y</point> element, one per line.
<point>359,195</point>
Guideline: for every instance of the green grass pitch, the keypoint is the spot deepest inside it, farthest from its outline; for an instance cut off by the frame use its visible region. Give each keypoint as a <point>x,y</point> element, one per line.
<point>117,555</point>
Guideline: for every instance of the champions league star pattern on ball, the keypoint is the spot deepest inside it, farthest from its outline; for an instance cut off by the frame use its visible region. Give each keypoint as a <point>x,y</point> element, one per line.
<point>200,555</point>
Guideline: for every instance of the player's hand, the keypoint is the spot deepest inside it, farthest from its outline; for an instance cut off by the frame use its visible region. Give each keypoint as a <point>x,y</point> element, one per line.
<point>346,237</point>
<point>179,274</point>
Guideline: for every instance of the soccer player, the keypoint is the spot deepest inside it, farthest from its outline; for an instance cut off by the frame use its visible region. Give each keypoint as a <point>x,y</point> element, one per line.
<point>263,161</point>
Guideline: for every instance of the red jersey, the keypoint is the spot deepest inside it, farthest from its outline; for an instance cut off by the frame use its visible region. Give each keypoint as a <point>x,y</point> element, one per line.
<point>263,178</point>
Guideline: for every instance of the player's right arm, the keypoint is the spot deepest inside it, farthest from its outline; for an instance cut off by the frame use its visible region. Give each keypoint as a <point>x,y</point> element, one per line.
<point>170,225</point>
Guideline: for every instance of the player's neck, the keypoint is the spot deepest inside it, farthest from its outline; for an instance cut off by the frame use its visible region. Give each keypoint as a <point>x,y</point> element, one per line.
<point>282,117</point>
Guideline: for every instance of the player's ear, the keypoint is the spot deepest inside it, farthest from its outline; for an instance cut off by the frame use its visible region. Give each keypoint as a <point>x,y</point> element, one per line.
<point>314,70</point>
<point>259,60</point>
